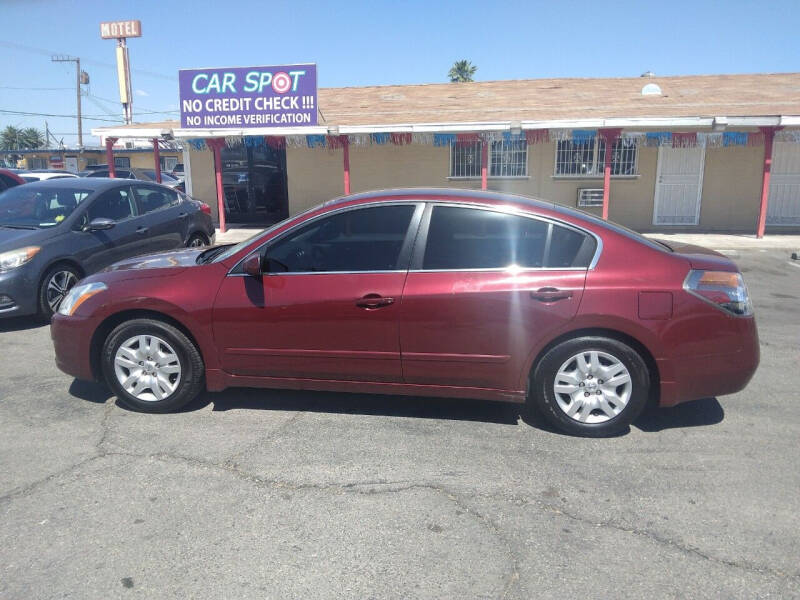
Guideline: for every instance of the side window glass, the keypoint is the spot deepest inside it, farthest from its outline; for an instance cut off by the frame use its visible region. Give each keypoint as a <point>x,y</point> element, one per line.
<point>151,199</point>
<point>366,239</point>
<point>467,238</point>
<point>116,204</point>
<point>570,248</point>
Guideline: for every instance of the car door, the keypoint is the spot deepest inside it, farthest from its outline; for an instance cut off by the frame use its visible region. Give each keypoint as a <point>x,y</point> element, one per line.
<point>483,286</point>
<point>110,245</point>
<point>327,306</point>
<point>163,215</point>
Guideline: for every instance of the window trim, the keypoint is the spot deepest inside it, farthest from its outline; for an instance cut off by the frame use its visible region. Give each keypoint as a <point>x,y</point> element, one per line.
<point>406,250</point>
<point>488,164</point>
<point>418,254</point>
<point>598,174</point>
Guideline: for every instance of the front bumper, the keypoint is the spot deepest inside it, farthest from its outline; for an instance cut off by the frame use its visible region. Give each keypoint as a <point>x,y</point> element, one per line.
<point>19,290</point>
<point>72,338</point>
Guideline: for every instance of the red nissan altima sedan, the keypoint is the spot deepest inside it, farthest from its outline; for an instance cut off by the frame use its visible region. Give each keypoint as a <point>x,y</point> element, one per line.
<point>423,292</point>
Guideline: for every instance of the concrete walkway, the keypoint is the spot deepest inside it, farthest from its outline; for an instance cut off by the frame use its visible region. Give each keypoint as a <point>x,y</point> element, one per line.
<point>716,241</point>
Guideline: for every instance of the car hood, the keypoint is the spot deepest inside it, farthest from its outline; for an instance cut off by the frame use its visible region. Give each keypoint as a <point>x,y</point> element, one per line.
<point>176,259</point>
<point>12,238</point>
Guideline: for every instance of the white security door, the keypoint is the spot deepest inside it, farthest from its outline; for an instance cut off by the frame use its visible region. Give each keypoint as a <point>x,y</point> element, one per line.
<point>784,185</point>
<point>679,184</point>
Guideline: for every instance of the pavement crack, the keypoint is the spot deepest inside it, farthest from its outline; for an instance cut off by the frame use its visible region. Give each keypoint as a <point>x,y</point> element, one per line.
<point>32,487</point>
<point>266,439</point>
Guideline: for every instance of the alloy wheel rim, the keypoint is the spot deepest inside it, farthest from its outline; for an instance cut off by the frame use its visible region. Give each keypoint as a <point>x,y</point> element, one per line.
<point>592,387</point>
<point>196,243</point>
<point>57,287</point>
<point>147,368</point>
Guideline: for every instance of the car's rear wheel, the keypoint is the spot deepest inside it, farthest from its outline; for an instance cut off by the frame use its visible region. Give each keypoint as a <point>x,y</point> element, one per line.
<point>57,281</point>
<point>152,366</point>
<point>197,240</point>
<point>590,386</point>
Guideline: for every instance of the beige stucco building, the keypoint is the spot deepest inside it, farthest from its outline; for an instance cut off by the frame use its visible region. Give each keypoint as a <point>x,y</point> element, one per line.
<point>688,153</point>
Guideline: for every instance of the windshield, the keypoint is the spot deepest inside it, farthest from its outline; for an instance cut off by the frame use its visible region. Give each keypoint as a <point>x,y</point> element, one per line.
<point>151,174</point>
<point>33,206</point>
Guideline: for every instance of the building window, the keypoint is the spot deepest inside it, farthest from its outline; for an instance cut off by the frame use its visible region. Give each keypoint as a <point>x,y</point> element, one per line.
<point>122,161</point>
<point>506,159</point>
<point>588,159</point>
<point>37,163</point>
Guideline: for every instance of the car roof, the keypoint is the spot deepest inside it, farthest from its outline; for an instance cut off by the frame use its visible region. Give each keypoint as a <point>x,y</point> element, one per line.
<point>447,194</point>
<point>94,184</point>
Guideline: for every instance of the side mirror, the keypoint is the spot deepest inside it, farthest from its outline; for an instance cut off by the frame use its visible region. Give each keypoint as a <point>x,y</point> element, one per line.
<point>252,266</point>
<point>99,224</point>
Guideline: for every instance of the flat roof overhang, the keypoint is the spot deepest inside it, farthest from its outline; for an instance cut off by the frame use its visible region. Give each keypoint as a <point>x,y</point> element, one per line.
<point>704,122</point>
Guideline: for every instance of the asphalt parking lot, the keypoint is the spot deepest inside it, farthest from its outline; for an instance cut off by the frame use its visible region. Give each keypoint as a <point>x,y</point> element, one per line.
<point>276,494</point>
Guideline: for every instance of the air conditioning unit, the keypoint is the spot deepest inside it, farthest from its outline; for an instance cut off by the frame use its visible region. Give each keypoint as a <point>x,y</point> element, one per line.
<point>129,145</point>
<point>590,197</point>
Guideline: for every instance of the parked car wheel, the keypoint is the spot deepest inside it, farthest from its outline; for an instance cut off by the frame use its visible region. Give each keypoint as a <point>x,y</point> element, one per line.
<point>152,366</point>
<point>197,240</point>
<point>58,280</point>
<point>590,386</point>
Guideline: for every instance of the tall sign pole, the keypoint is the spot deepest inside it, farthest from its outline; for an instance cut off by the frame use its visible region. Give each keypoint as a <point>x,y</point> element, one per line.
<point>77,62</point>
<point>121,31</point>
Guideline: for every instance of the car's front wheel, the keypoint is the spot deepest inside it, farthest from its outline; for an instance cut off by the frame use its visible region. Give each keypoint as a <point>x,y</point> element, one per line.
<point>152,366</point>
<point>590,386</point>
<point>197,240</point>
<point>54,287</point>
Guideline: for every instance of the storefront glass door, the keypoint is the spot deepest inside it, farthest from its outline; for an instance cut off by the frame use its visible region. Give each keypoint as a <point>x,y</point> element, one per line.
<point>254,181</point>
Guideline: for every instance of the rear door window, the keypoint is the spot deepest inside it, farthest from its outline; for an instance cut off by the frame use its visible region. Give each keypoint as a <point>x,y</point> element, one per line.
<point>154,198</point>
<point>469,238</point>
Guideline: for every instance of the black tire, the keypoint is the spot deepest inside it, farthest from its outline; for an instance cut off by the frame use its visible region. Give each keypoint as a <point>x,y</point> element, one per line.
<point>64,277</point>
<point>191,378</point>
<point>543,396</point>
<point>197,240</point>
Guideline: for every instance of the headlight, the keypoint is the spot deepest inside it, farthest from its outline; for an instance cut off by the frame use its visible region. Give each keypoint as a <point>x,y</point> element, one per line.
<point>17,258</point>
<point>78,295</point>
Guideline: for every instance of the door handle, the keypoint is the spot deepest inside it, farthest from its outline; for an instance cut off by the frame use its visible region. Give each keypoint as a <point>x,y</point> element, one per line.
<point>373,301</point>
<point>142,230</point>
<point>550,294</point>
<point>183,215</point>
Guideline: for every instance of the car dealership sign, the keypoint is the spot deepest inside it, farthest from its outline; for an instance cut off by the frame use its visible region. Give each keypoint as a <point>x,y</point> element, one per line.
<point>242,97</point>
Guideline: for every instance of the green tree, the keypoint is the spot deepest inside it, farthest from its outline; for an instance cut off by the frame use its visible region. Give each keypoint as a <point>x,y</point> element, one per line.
<point>11,138</point>
<point>462,70</point>
<point>32,138</point>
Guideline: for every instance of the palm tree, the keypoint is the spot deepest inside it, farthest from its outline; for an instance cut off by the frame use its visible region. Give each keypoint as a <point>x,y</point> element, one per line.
<point>32,138</point>
<point>462,70</point>
<point>11,138</point>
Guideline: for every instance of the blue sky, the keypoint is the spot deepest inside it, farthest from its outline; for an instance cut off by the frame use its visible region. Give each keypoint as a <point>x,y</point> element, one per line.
<point>373,43</point>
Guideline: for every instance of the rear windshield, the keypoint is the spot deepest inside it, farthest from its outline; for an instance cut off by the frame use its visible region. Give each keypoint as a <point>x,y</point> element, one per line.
<point>34,206</point>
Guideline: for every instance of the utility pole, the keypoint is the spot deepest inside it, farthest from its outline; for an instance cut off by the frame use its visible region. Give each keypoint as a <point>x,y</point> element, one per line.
<point>77,61</point>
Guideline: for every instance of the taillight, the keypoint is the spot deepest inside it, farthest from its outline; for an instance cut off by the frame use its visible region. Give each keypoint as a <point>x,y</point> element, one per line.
<point>205,208</point>
<point>723,289</point>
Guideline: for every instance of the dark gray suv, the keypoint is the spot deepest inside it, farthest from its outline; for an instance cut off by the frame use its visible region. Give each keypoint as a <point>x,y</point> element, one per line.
<point>53,233</point>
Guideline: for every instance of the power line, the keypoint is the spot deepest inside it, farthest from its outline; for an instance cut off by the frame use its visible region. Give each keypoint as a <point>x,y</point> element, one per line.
<point>87,61</point>
<point>35,114</point>
<point>10,87</point>
<point>145,111</point>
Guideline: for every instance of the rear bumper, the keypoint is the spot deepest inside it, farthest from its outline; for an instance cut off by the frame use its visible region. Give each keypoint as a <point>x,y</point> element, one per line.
<point>72,338</point>
<point>691,377</point>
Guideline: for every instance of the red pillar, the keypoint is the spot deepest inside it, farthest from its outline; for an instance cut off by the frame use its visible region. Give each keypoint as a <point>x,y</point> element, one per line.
<point>157,158</point>
<point>769,136</point>
<point>346,164</point>
<point>216,145</point>
<point>484,165</point>
<point>112,172</point>
<point>610,136</point>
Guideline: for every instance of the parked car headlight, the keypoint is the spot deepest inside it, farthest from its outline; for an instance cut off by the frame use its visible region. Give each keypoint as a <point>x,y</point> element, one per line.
<point>78,295</point>
<point>17,258</point>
